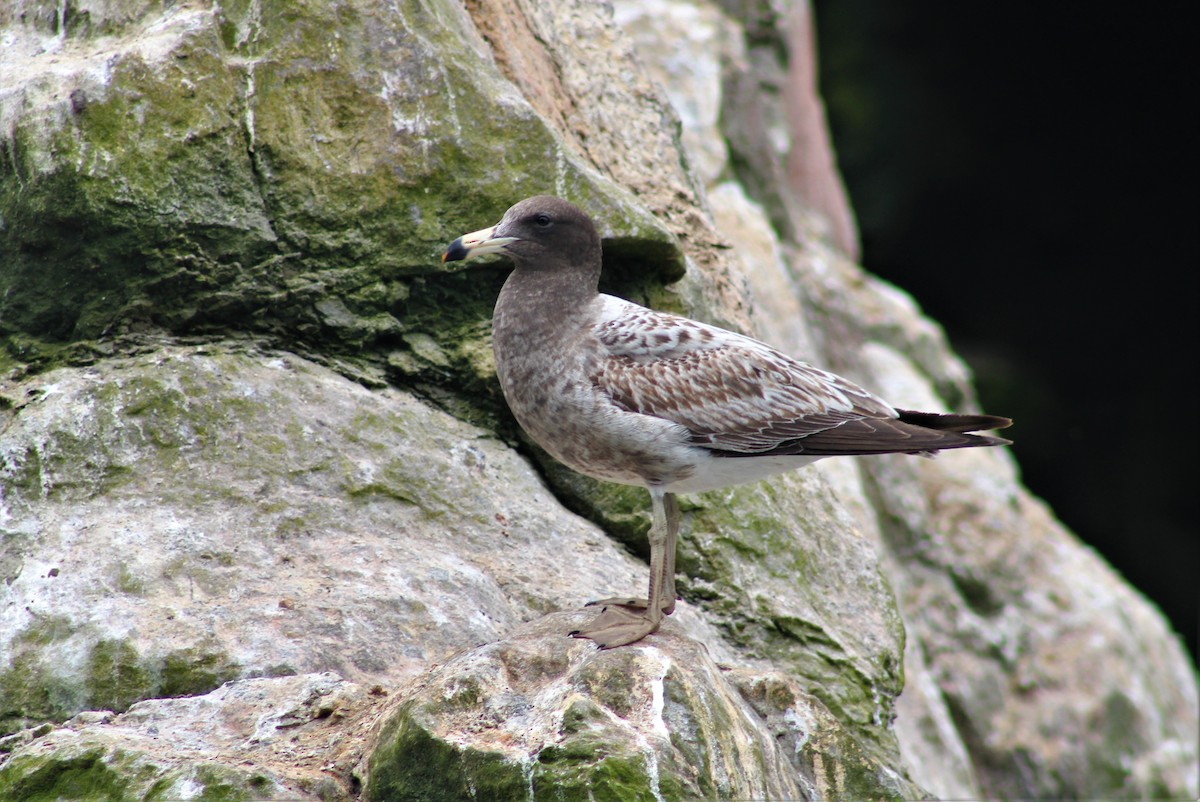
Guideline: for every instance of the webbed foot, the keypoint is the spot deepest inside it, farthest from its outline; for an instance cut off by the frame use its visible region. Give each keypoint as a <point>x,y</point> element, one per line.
<point>619,625</point>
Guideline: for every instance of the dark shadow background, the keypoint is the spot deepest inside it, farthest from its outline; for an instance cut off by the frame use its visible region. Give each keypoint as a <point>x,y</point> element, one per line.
<point>1027,174</point>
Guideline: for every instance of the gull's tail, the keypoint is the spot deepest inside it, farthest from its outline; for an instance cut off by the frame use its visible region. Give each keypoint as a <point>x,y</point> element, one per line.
<point>954,423</point>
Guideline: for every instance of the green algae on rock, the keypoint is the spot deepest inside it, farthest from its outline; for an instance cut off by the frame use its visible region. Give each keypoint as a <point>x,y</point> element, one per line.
<point>236,169</point>
<point>659,721</point>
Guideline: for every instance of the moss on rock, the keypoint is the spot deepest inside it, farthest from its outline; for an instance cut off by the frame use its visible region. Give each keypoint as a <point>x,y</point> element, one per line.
<point>578,772</point>
<point>30,693</point>
<point>414,765</point>
<point>58,776</point>
<point>116,677</point>
<point>91,767</point>
<point>193,671</point>
<point>33,688</point>
<point>252,174</point>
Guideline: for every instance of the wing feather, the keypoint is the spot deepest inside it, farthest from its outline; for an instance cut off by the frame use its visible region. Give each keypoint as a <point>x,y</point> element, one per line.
<point>733,393</point>
<point>739,397</point>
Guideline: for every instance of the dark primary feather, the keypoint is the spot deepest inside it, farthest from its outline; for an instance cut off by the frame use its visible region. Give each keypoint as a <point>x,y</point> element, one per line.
<point>876,436</point>
<point>952,422</point>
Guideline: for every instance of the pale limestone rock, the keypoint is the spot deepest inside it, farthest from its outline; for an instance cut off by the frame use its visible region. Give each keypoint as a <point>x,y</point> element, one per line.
<point>530,716</point>
<point>238,513</point>
<point>267,739</point>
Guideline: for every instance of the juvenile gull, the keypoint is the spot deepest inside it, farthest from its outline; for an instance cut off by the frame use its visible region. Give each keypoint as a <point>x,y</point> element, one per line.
<point>626,394</point>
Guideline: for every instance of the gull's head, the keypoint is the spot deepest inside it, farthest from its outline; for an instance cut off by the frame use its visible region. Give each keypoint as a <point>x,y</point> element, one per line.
<point>541,229</point>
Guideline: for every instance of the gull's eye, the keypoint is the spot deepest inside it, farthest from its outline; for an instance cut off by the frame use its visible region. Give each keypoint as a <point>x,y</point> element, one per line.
<point>543,220</point>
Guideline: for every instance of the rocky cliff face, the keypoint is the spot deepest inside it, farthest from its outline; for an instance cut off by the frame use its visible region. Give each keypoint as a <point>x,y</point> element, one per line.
<point>269,532</point>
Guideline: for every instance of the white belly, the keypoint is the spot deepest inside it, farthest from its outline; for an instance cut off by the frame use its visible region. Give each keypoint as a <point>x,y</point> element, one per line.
<point>712,473</point>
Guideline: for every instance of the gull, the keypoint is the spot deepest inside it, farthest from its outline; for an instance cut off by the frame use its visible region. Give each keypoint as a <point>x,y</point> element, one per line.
<point>627,394</point>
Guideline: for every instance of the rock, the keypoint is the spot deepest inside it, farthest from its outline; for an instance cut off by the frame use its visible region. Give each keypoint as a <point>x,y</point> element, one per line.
<point>533,717</point>
<point>253,739</point>
<point>201,514</point>
<point>257,137</point>
<point>250,434</point>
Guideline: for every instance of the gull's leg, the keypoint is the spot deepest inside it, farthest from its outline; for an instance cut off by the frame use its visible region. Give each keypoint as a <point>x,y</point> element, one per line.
<point>621,624</point>
<point>671,513</point>
<point>667,591</point>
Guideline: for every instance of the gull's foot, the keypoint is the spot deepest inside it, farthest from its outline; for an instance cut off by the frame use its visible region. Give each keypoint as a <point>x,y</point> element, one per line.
<point>618,625</point>
<point>631,604</point>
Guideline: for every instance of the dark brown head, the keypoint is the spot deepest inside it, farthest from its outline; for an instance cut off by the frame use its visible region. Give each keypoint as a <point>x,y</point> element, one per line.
<point>539,233</point>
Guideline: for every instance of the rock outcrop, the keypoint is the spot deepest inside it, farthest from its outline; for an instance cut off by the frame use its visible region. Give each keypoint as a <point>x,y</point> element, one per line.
<point>267,529</point>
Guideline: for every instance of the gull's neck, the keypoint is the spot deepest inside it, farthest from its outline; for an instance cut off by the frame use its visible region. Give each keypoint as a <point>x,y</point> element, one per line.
<point>539,302</point>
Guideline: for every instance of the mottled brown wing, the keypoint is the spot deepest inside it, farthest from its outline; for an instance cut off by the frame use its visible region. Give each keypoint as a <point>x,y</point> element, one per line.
<point>735,394</point>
